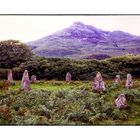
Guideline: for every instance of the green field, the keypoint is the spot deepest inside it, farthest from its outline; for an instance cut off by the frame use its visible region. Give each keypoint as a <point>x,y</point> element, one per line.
<point>60,103</point>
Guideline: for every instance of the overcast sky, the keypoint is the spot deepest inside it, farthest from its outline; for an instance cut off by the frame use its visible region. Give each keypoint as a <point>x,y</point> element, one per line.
<point>28,28</point>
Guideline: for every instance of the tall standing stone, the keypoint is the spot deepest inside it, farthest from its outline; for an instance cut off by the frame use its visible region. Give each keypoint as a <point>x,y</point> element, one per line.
<point>129,82</point>
<point>98,83</point>
<point>68,77</point>
<point>117,79</point>
<point>25,84</point>
<point>10,76</point>
<point>121,101</point>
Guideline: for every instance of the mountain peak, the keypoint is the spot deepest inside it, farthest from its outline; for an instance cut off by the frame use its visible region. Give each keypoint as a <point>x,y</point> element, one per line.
<point>78,23</point>
<point>80,40</point>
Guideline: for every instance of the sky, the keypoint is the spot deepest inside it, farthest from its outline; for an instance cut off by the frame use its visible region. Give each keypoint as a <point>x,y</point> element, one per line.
<point>29,28</point>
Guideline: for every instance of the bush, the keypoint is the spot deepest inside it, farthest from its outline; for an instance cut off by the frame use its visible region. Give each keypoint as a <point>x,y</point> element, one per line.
<point>56,68</point>
<point>13,53</point>
<point>3,73</point>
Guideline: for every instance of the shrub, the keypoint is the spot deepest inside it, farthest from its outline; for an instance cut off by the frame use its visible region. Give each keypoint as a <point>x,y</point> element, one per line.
<point>13,53</point>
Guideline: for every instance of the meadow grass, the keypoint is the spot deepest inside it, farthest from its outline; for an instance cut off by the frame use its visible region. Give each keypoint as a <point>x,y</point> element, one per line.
<point>61,103</point>
<point>54,85</point>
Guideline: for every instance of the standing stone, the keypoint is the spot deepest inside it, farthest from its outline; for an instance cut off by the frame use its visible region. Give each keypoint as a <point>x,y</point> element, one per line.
<point>10,76</point>
<point>120,101</point>
<point>25,84</point>
<point>33,79</point>
<point>117,79</point>
<point>68,77</point>
<point>98,83</point>
<point>129,82</point>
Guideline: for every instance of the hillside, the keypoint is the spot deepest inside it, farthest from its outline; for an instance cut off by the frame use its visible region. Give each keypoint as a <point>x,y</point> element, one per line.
<point>82,41</point>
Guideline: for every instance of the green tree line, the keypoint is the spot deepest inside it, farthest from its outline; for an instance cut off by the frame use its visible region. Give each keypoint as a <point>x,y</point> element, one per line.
<point>56,68</point>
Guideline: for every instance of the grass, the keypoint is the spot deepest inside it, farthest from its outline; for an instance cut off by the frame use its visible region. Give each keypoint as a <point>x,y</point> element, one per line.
<point>60,103</point>
<point>52,85</point>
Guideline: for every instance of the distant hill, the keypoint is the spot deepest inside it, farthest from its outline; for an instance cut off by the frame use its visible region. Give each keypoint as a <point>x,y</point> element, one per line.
<point>82,41</point>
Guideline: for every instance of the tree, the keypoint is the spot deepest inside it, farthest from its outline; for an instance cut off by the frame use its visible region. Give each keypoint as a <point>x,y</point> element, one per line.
<point>13,53</point>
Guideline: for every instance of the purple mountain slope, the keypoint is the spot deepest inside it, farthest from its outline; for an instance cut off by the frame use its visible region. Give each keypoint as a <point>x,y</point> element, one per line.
<point>83,41</point>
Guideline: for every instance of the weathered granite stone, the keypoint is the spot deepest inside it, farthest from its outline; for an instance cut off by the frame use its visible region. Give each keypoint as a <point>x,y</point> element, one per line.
<point>98,83</point>
<point>33,78</point>
<point>121,101</point>
<point>117,79</point>
<point>25,84</point>
<point>68,77</point>
<point>10,76</point>
<point>129,82</point>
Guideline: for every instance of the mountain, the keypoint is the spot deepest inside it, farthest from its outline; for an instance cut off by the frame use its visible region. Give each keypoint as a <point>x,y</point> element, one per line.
<point>85,41</point>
